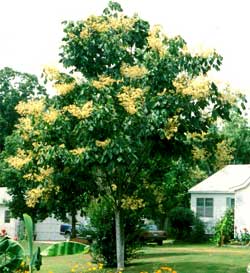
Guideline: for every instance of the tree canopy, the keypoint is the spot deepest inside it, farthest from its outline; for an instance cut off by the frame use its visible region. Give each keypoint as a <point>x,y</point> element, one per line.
<point>131,93</point>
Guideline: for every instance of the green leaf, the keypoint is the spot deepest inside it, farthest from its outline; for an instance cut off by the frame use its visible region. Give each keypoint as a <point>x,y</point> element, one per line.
<point>65,248</point>
<point>11,254</point>
<point>29,231</point>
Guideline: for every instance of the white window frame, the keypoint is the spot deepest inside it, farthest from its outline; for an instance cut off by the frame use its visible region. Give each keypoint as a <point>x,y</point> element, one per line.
<point>205,207</point>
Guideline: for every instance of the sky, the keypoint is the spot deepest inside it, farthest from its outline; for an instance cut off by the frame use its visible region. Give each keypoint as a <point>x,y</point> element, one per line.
<point>31,30</point>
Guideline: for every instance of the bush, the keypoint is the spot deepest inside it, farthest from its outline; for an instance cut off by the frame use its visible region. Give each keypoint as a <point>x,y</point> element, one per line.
<point>198,232</point>
<point>184,226</point>
<point>224,228</point>
<point>103,248</point>
<point>181,220</point>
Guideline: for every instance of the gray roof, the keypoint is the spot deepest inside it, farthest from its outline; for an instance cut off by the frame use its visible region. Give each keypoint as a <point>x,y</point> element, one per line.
<point>227,180</point>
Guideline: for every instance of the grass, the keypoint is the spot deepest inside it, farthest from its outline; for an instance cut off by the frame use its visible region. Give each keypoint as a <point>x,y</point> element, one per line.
<point>184,258</point>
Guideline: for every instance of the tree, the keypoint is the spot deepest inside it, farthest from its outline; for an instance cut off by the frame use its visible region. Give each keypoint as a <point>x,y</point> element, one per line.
<point>138,89</point>
<point>14,87</point>
<point>237,132</point>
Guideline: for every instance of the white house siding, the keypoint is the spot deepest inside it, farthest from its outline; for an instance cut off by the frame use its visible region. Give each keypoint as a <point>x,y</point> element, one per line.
<point>48,230</point>
<point>12,227</point>
<point>242,209</point>
<point>219,208</point>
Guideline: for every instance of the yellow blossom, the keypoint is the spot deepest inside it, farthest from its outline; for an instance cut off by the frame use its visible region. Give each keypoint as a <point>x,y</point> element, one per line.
<point>51,115</point>
<point>51,72</point>
<point>199,153</point>
<point>80,112</point>
<point>122,22</point>
<point>128,98</point>
<point>25,124</point>
<point>131,202</point>
<point>171,127</point>
<point>103,81</point>
<point>64,88</point>
<point>155,39</point>
<point>102,144</point>
<point>32,197</point>
<point>114,187</point>
<point>133,72</point>
<point>31,107</point>
<point>77,151</point>
<point>198,87</point>
<point>223,154</point>
<point>22,157</point>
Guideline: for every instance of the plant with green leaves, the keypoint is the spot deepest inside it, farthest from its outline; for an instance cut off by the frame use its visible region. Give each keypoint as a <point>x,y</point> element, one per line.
<point>35,258</point>
<point>224,228</point>
<point>11,254</point>
<point>130,88</point>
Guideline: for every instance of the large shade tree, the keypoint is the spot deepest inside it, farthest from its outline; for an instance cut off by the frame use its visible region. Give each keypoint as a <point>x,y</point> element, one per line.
<point>131,88</point>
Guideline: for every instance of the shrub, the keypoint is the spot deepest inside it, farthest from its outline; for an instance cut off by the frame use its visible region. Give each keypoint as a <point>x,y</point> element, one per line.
<point>198,231</point>
<point>103,248</point>
<point>185,226</point>
<point>224,228</point>
<point>181,220</point>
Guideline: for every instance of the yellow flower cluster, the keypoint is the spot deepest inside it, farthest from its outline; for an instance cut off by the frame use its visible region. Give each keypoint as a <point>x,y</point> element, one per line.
<point>199,153</point>
<point>80,112</point>
<point>64,88</point>
<point>102,144</point>
<point>230,96</point>
<point>22,157</point>
<point>196,135</point>
<point>198,87</point>
<point>24,124</point>
<point>77,151</point>
<point>130,202</point>
<point>51,115</point>
<point>198,51</point>
<point>171,127</point>
<point>122,22</point>
<point>43,174</point>
<point>32,197</point>
<point>128,98</point>
<point>155,38</point>
<point>52,73</point>
<point>133,72</point>
<point>102,82</point>
<point>197,174</point>
<point>223,154</point>
<point>101,25</point>
<point>31,107</point>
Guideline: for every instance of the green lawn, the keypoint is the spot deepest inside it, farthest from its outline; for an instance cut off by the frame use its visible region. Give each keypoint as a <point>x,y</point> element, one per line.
<point>183,258</point>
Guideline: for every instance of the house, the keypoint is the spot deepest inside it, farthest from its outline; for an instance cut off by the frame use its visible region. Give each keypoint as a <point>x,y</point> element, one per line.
<point>47,230</point>
<point>227,188</point>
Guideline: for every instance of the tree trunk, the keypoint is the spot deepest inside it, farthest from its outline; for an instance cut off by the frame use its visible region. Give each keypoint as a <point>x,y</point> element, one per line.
<point>73,224</point>
<point>120,246</point>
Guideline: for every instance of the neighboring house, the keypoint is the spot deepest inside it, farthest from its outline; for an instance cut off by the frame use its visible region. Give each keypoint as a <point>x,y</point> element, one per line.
<point>227,188</point>
<point>47,230</point>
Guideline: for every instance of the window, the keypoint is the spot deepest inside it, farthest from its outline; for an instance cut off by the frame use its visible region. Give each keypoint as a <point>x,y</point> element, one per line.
<point>230,203</point>
<point>204,207</point>
<point>7,216</point>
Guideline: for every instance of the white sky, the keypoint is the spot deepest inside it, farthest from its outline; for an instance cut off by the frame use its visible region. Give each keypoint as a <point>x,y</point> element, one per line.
<point>31,30</point>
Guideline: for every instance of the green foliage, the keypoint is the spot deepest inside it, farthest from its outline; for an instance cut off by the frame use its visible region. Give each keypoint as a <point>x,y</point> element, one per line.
<point>185,226</point>
<point>14,87</point>
<point>35,258</point>
<point>224,228</point>
<point>11,254</point>
<point>103,248</point>
<point>65,248</point>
